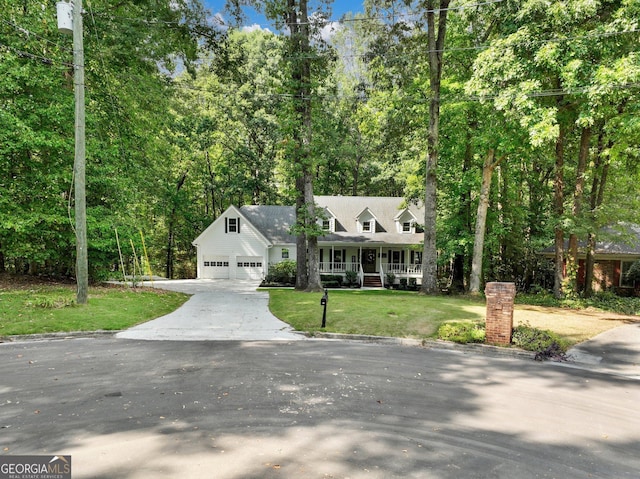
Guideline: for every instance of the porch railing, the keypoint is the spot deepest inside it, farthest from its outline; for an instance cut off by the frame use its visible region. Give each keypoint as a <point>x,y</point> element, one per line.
<point>395,268</point>
<point>402,269</point>
<point>338,267</point>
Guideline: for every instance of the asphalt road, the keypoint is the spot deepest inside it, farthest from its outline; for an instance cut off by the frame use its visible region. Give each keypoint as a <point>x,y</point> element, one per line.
<point>311,409</point>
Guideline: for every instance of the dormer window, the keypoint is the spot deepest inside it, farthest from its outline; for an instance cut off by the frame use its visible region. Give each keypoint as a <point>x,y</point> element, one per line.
<point>406,222</point>
<point>366,221</point>
<point>327,221</point>
<point>232,225</point>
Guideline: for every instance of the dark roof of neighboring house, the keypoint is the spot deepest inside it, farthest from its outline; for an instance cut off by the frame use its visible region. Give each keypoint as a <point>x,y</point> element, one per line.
<point>621,240</point>
<point>274,222</point>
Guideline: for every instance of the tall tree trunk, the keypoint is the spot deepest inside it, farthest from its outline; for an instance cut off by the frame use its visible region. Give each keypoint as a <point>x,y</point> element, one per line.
<point>558,207</point>
<point>171,235</point>
<point>481,221</point>
<point>600,173</point>
<point>308,273</point>
<point>313,269</point>
<point>576,209</point>
<point>435,45</point>
<point>458,267</point>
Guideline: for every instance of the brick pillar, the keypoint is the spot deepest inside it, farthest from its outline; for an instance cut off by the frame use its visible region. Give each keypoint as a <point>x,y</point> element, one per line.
<point>500,298</point>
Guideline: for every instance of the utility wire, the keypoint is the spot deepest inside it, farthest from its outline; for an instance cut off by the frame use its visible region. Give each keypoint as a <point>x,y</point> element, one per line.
<point>28,33</point>
<point>425,99</point>
<point>32,56</point>
<point>385,16</point>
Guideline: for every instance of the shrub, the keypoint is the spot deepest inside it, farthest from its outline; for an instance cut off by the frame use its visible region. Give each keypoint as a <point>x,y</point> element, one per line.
<point>283,272</point>
<point>545,344</point>
<point>351,278</point>
<point>50,302</point>
<point>331,280</point>
<point>390,278</point>
<point>634,272</point>
<point>462,332</point>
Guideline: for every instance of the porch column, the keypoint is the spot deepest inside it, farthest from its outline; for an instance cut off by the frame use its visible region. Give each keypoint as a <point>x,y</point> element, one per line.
<point>333,257</point>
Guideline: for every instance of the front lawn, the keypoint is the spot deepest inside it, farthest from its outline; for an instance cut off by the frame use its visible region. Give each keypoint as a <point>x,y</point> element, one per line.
<point>409,315</point>
<point>43,308</point>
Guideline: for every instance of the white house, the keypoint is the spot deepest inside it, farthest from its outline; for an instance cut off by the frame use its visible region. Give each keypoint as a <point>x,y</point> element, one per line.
<point>372,236</point>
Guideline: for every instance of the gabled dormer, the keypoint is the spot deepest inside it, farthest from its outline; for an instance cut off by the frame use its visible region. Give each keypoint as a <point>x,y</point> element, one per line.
<point>405,222</point>
<point>327,221</point>
<point>366,222</point>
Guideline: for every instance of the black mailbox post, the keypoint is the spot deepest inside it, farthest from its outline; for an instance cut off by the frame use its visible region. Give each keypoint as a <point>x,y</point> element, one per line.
<point>323,302</point>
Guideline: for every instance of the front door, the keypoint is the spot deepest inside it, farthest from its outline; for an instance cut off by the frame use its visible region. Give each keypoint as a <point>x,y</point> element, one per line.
<point>368,260</point>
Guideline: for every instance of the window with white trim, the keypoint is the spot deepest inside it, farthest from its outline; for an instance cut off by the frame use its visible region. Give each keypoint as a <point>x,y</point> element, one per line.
<point>367,226</point>
<point>285,253</point>
<point>406,227</point>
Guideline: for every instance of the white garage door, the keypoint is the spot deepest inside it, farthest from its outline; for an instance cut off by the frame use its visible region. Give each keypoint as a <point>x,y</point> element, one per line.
<point>216,267</point>
<point>249,267</point>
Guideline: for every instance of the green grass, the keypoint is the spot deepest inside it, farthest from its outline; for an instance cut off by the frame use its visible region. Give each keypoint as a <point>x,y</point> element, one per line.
<point>49,309</point>
<point>410,315</point>
<point>378,313</point>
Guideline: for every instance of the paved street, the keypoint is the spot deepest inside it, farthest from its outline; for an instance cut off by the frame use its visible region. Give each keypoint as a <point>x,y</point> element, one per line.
<point>311,409</point>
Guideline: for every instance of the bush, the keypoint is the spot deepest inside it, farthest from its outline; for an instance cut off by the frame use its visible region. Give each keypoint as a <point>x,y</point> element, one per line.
<point>462,332</point>
<point>634,272</point>
<point>351,278</point>
<point>390,278</point>
<point>283,272</point>
<point>331,280</point>
<point>545,344</point>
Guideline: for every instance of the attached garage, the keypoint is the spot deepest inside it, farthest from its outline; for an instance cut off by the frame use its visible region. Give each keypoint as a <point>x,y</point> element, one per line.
<point>249,267</point>
<point>232,247</point>
<point>216,267</point>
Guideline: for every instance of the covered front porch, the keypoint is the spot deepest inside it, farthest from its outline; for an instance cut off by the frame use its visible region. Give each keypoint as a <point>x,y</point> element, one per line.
<point>380,265</point>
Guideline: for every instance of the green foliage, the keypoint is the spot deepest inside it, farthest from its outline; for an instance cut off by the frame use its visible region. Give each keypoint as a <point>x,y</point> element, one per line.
<point>462,332</point>
<point>351,278</point>
<point>604,301</point>
<point>283,272</point>
<point>49,302</point>
<point>331,280</point>
<point>546,344</point>
<point>633,274</point>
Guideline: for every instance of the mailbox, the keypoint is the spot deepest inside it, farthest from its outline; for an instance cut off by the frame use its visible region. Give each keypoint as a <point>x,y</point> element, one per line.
<point>323,302</point>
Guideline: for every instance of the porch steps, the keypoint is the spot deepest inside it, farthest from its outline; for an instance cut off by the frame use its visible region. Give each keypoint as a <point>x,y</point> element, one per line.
<point>372,282</point>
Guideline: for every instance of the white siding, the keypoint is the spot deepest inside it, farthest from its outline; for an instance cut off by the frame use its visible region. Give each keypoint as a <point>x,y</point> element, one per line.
<point>215,242</point>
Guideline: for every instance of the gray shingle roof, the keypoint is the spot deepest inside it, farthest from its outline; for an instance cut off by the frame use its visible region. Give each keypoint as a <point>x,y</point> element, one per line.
<point>620,240</point>
<point>274,222</point>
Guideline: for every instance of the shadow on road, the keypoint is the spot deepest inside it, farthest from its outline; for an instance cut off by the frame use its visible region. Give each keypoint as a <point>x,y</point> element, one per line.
<point>315,409</point>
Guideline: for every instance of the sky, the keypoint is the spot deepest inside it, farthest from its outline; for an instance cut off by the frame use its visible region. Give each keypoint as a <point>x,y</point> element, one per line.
<point>338,8</point>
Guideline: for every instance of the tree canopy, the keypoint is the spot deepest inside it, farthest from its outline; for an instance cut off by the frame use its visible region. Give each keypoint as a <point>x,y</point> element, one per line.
<point>187,115</point>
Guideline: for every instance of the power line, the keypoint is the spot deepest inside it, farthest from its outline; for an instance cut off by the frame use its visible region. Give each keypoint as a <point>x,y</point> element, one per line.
<point>28,33</point>
<point>32,56</point>
<point>426,99</point>
<point>387,16</point>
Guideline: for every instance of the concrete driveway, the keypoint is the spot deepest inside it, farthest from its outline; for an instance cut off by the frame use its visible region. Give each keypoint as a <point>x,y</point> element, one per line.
<point>218,310</point>
<point>616,351</point>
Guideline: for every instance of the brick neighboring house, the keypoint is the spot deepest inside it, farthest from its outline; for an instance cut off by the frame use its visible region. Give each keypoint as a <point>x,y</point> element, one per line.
<point>372,236</point>
<point>616,250</point>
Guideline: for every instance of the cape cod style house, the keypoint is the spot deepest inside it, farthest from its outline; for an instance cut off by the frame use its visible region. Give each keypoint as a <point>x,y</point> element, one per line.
<point>372,236</point>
